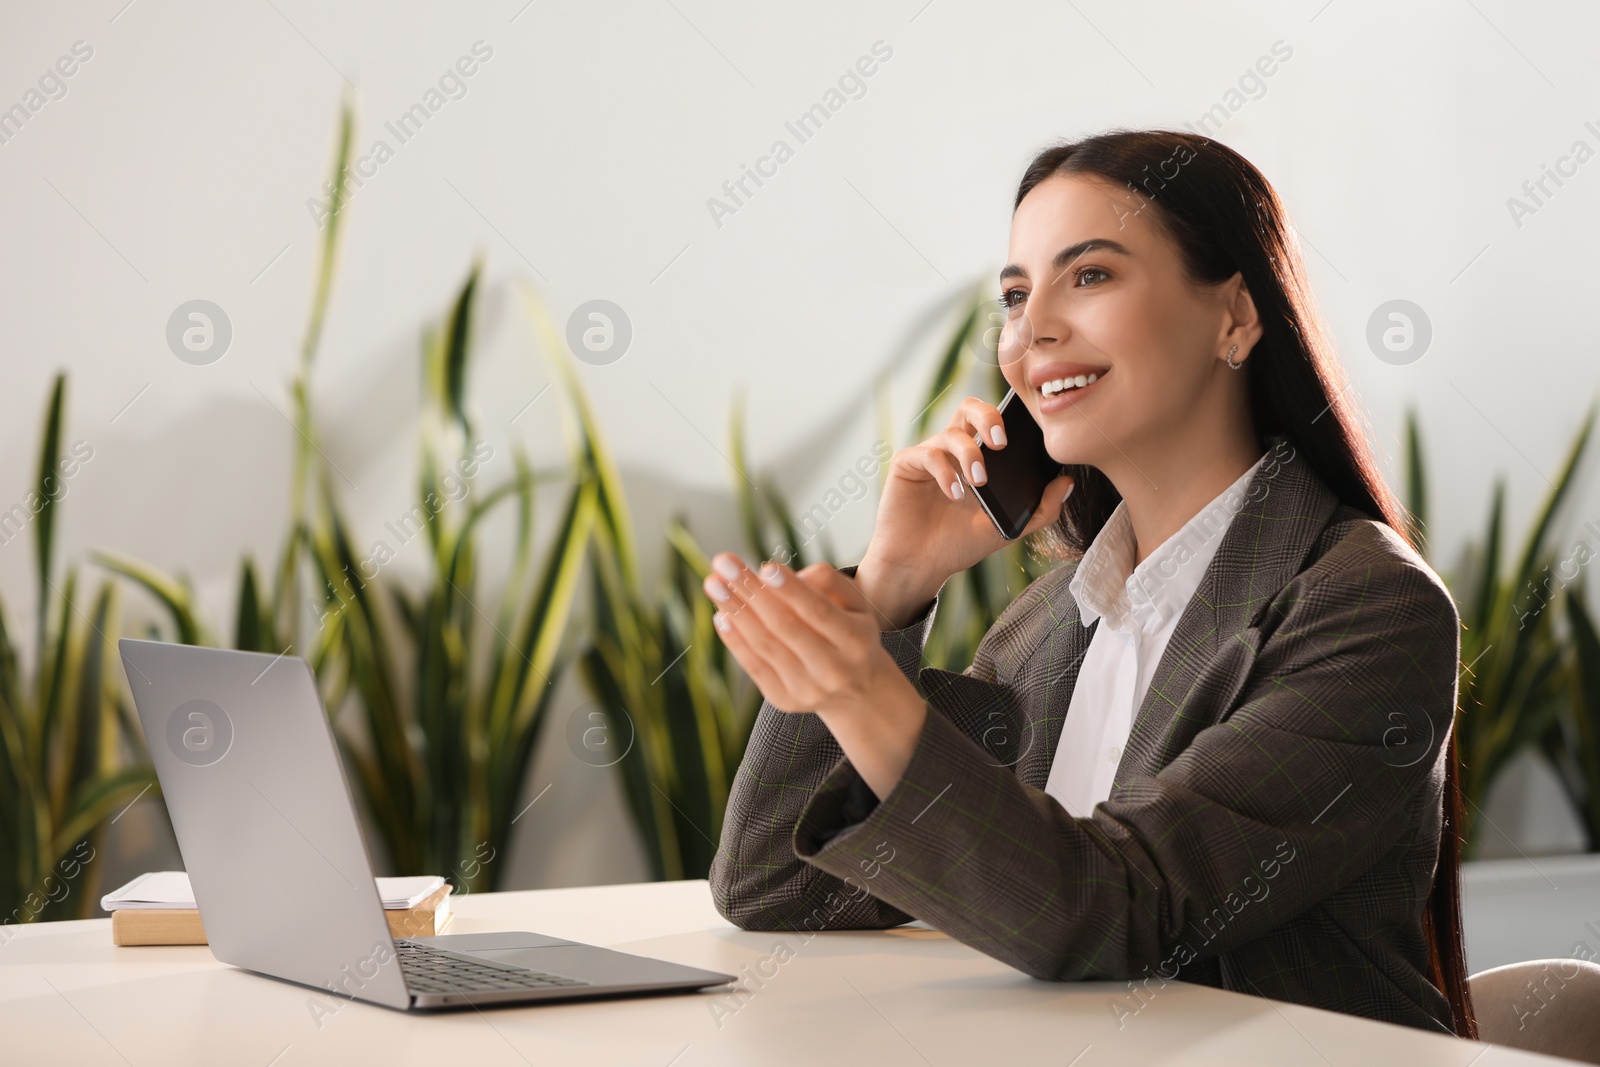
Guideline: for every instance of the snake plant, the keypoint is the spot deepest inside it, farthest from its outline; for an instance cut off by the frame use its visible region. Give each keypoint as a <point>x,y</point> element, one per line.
<point>437,701</point>
<point>1515,680</point>
<point>66,732</point>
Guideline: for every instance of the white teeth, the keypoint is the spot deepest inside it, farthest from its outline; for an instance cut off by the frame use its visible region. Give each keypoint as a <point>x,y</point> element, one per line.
<point>1061,385</point>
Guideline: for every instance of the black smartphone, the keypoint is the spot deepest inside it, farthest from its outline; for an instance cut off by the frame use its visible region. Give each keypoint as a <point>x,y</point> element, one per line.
<point>1018,473</point>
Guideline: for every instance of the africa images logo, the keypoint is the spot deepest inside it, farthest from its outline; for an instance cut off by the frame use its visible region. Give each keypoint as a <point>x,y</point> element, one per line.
<point>199,733</point>
<point>199,332</point>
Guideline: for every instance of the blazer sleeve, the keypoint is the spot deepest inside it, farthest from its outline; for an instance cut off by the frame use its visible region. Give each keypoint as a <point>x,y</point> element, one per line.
<point>1265,813</point>
<point>757,881</point>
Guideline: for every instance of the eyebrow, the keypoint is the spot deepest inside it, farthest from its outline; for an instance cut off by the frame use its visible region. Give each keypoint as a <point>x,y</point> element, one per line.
<point>1063,259</point>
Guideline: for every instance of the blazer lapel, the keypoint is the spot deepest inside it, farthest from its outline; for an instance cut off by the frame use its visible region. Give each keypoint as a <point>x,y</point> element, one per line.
<point>1205,663</point>
<point>1017,717</point>
<point>1209,656</point>
<point>1067,648</point>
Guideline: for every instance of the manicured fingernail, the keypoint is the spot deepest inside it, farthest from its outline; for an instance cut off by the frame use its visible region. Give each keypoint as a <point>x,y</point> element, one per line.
<point>725,566</point>
<point>998,436</point>
<point>771,573</point>
<point>716,590</point>
<point>978,477</point>
<point>956,490</point>
<point>720,621</point>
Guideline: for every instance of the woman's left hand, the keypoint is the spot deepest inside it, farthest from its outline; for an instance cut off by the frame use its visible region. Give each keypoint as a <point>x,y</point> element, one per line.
<point>809,640</point>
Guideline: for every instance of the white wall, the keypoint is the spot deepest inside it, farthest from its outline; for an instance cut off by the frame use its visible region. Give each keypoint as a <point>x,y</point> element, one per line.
<point>180,160</point>
<point>1530,908</point>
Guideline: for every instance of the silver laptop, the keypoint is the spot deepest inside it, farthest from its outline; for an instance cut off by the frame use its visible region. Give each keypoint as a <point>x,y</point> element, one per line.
<point>281,874</point>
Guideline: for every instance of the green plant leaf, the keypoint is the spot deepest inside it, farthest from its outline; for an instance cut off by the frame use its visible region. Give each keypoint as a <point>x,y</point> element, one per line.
<point>1536,545</point>
<point>171,594</point>
<point>1487,587</point>
<point>586,441</point>
<point>48,488</point>
<point>85,738</point>
<point>1416,485</point>
<point>452,371</point>
<point>94,802</point>
<point>323,288</point>
<point>249,633</point>
<point>1585,712</point>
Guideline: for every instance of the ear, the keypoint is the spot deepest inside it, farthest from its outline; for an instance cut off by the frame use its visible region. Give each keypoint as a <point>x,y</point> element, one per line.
<point>1241,322</point>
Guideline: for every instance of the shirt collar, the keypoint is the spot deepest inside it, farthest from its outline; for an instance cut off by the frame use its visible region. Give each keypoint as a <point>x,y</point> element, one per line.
<point>1107,584</point>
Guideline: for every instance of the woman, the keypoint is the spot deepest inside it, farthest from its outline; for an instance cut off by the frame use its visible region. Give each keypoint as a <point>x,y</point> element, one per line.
<point>1216,744</point>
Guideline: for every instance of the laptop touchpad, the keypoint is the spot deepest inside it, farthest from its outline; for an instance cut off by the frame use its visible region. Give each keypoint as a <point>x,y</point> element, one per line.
<point>538,959</point>
<point>495,946</point>
<point>599,966</point>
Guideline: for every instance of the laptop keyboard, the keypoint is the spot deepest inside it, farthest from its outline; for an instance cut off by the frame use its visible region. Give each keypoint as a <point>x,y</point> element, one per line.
<point>428,970</point>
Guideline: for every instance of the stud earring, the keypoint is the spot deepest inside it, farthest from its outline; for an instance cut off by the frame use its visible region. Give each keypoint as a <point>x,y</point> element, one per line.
<point>1229,359</point>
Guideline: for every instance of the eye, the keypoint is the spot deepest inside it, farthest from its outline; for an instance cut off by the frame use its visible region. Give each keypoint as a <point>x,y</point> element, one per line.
<point>1011,299</point>
<point>1090,270</point>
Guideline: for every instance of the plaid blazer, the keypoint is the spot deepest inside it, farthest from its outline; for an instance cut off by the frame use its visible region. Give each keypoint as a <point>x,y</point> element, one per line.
<point>1275,819</point>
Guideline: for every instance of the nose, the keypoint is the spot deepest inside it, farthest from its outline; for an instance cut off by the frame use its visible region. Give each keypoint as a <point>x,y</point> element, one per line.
<point>1040,332</point>
<point>1047,327</point>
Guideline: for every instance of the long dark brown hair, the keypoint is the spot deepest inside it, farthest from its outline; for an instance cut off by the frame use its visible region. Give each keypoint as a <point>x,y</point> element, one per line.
<point>1225,219</point>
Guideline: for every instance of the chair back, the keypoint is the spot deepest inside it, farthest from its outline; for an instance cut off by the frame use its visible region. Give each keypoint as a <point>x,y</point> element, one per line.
<point>1546,1006</point>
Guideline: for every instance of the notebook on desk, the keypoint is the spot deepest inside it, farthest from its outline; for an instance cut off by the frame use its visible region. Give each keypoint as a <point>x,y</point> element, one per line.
<point>171,889</point>
<point>258,796</point>
<point>159,909</point>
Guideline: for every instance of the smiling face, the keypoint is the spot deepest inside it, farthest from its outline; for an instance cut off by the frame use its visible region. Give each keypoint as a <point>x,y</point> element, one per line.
<point>1114,350</point>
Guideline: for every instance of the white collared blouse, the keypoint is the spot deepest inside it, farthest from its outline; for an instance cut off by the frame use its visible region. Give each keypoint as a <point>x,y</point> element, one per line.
<point>1138,609</point>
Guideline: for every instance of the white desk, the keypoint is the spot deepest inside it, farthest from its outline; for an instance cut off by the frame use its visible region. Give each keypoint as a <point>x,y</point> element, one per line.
<point>909,996</point>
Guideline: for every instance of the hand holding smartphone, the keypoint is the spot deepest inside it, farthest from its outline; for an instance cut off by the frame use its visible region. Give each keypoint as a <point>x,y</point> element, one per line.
<point>1018,473</point>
